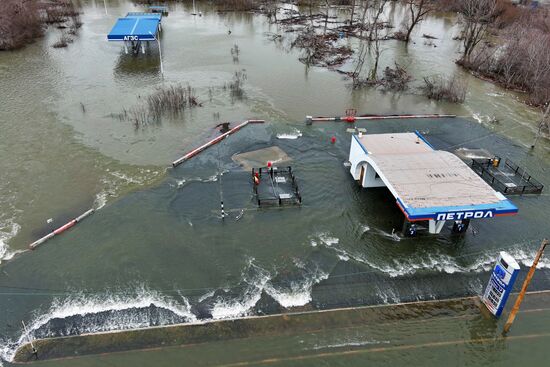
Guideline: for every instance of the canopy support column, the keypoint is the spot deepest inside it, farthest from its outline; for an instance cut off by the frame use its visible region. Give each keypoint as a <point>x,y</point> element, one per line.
<point>435,226</point>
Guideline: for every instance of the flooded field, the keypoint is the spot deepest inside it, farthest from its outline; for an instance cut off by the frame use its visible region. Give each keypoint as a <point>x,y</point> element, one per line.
<point>156,252</point>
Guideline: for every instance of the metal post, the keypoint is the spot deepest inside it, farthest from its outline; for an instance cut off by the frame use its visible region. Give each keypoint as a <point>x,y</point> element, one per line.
<point>521,294</point>
<point>105,5</point>
<point>160,54</point>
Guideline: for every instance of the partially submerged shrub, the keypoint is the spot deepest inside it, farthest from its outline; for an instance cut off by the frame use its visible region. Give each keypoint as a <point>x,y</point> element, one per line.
<point>170,100</point>
<point>236,90</point>
<point>442,89</point>
<point>396,78</point>
<point>63,41</point>
<point>21,21</point>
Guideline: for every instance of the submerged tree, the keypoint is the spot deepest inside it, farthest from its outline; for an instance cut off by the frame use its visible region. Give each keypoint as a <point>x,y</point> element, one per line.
<point>418,9</point>
<point>477,16</point>
<point>374,9</point>
<point>379,6</point>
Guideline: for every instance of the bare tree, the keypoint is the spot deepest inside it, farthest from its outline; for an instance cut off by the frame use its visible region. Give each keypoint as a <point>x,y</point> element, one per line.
<point>418,9</point>
<point>374,9</point>
<point>477,15</point>
<point>352,12</point>
<point>378,7</point>
<point>543,125</point>
<point>327,7</point>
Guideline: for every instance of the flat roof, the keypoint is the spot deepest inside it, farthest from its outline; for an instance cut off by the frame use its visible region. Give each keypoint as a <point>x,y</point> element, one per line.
<point>428,182</point>
<point>135,27</point>
<point>398,143</point>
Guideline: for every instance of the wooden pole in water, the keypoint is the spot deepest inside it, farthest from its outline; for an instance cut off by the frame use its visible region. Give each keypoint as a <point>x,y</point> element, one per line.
<point>521,294</point>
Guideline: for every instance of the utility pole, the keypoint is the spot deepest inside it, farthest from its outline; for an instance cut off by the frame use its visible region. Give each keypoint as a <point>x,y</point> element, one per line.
<point>521,294</point>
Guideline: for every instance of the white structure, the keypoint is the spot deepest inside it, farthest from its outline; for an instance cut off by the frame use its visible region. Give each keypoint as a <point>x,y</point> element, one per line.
<point>428,185</point>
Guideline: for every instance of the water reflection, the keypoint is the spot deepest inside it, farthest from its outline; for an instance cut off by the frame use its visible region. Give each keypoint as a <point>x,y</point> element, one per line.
<point>138,64</point>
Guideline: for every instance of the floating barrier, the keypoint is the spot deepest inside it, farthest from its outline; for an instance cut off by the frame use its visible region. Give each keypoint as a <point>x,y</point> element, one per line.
<point>60,230</point>
<point>196,151</point>
<point>352,118</point>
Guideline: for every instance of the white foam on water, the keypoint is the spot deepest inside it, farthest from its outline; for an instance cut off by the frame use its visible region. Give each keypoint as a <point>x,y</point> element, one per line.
<point>8,230</point>
<point>242,306</point>
<point>293,294</point>
<point>126,178</point>
<point>206,295</point>
<point>291,136</point>
<point>477,117</point>
<point>435,262</point>
<point>297,293</point>
<point>351,343</point>
<point>526,258</point>
<point>212,178</point>
<point>343,257</point>
<point>81,305</point>
<point>446,264</point>
<point>388,295</point>
<point>100,200</point>
<point>323,238</point>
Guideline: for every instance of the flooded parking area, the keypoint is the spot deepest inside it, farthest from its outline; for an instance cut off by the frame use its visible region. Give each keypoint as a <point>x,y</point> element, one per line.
<point>156,251</point>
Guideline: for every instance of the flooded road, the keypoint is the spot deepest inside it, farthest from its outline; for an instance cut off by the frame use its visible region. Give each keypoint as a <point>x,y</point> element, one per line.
<point>159,253</point>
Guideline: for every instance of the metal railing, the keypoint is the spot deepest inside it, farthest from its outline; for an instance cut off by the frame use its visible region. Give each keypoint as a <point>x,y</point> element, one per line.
<point>525,185</point>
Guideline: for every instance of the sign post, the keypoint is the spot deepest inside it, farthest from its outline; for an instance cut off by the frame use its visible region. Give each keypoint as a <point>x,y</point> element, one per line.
<point>500,284</point>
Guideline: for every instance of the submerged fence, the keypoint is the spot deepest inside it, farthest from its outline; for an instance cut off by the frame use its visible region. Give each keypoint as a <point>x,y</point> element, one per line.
<point>509,179</point>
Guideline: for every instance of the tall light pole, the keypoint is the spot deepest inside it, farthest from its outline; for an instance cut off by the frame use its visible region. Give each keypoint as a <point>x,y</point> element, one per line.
<point>160,53</point>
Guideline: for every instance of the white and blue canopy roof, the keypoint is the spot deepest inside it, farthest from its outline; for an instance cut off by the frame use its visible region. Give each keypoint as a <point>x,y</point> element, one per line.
<point>429,183</point>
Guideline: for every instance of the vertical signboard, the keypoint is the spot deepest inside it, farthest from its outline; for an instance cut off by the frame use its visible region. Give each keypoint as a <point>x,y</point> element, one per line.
<point>501,283</point>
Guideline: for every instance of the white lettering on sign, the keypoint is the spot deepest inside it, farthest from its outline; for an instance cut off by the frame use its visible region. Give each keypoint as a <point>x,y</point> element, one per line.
<point>131,38</point>
<point>475,214</point>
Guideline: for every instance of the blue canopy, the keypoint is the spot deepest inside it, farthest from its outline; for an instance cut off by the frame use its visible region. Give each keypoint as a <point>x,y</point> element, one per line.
<point>135,27</point>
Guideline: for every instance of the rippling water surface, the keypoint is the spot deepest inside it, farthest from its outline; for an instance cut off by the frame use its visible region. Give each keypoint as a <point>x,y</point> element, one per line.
<point>156,251</point>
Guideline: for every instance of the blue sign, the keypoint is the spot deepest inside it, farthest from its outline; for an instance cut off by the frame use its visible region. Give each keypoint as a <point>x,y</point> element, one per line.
<point>466,214</point>
<point>500,284</point>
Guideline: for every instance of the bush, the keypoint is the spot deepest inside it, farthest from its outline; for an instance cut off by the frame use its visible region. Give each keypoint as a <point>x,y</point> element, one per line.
<point>396,78</point>
<point>442,89</point>
<point>20,23</point>
<point>171,100</point>
<point>235,5</point>
<point>63,41</point>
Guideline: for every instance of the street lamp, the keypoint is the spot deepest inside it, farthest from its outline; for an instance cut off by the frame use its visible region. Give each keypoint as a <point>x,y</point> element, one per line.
<point>160,53</point>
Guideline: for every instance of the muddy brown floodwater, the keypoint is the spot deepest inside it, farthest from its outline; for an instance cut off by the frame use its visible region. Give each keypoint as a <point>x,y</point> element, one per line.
<point>155,252</point>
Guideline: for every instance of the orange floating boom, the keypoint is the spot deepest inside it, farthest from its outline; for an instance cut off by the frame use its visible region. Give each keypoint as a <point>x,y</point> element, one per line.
<point>196,151</point>
<point>60,230</point>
